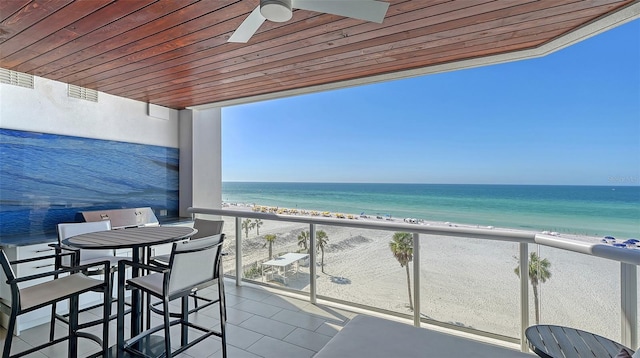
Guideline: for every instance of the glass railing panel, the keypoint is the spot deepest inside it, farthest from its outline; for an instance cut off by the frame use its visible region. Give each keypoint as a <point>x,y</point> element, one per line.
<point>581,292</point>
<point>359,267</point>
<point>271,253</point>
<point>470,283</point>
<point>229,247</point>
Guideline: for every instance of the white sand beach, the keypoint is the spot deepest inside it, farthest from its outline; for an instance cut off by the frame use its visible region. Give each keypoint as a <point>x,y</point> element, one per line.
<point>467,282</point>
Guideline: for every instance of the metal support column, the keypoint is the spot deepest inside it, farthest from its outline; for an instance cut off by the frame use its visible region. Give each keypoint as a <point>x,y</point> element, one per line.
<point>312,263</point>
<point>239,272</point>
<point>629,304</point>
<point>524,294</point>
<point>416,279</point>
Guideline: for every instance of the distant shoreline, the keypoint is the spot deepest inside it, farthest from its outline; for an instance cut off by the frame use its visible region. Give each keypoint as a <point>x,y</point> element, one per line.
<point>416,221</point>
<point>619,183</point>
<point>595,211</point>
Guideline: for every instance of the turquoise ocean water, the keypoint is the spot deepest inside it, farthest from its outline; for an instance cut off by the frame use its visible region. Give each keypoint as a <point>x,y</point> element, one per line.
<point>583,210</point>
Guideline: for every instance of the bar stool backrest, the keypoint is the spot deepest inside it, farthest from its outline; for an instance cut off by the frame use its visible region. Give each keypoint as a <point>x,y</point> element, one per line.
<point>67,230</point>
<point>207,228</point>
<point>6,268</point>
<point>194,263</point>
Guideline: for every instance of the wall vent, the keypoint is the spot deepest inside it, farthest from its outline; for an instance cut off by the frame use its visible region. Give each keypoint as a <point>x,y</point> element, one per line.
<point>83,93</point>
<point>16,78</point>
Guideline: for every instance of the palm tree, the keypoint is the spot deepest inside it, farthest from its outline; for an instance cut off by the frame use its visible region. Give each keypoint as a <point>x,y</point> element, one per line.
<point>402,249</point>
<point>303,241</point>
<point>247,225</point>
<point>257,223</point>
<point>321,242</point>
<point>538,273</point>
<point>270,238</point>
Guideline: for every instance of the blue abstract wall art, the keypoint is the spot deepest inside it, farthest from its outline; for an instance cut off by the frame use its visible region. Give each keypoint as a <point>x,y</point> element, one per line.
<point>46,179</point>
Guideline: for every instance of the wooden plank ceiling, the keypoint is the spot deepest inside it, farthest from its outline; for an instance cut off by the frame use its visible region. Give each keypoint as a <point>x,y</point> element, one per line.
<point>175,53</point>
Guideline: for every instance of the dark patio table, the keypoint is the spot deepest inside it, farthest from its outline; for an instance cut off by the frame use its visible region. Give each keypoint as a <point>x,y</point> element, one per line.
<point>550,341</point>
<point>136,239</point>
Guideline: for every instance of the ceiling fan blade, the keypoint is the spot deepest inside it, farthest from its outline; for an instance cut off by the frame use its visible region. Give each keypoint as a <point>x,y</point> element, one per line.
<point>248,27</point>
<point>372,10</point>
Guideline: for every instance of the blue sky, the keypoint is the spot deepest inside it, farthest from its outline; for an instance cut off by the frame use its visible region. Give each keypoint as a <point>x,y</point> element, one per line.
<point>569,118</point>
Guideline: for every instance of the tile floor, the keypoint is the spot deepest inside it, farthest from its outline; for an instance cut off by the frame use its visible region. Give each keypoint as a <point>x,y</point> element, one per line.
<point>260,324</point>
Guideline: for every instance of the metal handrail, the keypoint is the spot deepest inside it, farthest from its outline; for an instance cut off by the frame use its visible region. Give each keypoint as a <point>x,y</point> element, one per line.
<point>458,231</point>
<point>629,259</point>
<point>484,233</point>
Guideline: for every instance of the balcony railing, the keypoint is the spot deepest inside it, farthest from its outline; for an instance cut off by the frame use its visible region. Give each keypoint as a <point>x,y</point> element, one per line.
<point>450,289</point>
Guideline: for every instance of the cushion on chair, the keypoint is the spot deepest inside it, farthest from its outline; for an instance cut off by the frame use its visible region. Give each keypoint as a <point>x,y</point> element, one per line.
<point>44,292</point>
<point>113,260</point>
<point>162,258</point>
<point>151,282</point>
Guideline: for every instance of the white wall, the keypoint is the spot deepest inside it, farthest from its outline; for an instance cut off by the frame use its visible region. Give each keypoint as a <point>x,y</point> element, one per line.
<point>186,162</point>
<point>48,109</point>
<point>207,158</point>
<point>200,159</point>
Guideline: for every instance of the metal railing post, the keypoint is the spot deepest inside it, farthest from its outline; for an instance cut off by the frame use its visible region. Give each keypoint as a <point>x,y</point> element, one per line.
<point>629,304</point>
<point>416,279</point>
<point>524,294</point>
<point>312,263</point>
<point>239,272</point>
